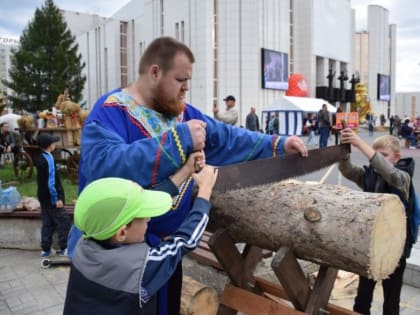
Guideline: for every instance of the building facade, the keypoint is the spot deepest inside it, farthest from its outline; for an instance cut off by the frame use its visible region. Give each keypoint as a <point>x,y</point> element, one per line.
<point>227,38</point>
<point>407,104</point>
<point>375,59</point>
<point>6,47</point>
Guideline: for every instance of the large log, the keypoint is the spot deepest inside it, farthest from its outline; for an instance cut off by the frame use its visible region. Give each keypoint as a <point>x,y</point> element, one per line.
<point>332,225</point>
<point>197,298</point>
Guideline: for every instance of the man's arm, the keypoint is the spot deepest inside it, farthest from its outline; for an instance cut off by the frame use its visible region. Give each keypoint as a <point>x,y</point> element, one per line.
<point>147,161</point>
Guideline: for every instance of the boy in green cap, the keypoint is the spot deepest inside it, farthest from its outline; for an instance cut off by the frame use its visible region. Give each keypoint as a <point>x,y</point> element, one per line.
<point>114,270</point>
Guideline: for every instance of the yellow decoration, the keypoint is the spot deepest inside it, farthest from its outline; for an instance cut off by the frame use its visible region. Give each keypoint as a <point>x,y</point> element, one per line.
<point>362,102</point>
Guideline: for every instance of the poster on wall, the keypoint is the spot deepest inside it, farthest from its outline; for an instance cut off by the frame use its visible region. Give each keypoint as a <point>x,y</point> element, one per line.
<point>384,87</point>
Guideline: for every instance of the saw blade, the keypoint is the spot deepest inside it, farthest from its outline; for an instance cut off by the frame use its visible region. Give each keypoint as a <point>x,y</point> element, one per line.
<point>270,170</point>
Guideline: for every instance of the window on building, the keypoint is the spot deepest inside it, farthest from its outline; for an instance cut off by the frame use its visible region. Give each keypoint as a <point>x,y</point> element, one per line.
<point>182,31</point>
<point>123,53</point>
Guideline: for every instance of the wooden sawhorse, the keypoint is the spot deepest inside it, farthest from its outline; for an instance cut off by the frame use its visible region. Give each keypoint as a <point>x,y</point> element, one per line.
<point>254,296</point>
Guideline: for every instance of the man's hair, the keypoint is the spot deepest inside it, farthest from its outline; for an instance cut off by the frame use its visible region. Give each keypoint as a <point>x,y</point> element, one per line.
<point>162,52</point>
<point>3,123</point>
<point>387,142</point>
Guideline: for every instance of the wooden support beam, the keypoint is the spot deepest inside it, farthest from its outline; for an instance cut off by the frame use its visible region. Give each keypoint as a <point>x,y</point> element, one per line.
<point>278,290</point>
<point>321,292</point>
<point>252,304</point>
<point>291,277</point>
<point>239,267</point>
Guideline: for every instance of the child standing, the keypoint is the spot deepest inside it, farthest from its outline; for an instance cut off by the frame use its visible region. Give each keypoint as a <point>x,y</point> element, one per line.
<point>51,197</point>
<point>114,270</point>
<point>387,173</point>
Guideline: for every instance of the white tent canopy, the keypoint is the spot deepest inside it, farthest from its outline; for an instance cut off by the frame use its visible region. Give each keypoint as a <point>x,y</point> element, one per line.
<point>290,111</point>
<point>304,104</point>
<point>11,119</point>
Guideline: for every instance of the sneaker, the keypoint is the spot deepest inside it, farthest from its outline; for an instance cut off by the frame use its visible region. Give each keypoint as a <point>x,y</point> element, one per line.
<point>45,253</point>
<point>412,148</point>
<point>62,252</point>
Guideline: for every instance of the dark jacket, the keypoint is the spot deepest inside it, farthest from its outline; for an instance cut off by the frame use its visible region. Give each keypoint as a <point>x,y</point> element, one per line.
<point>7,140</point>
<point>324,118</point>
<point>48,185</point>
<point>373,182</point>
<point>406,130</point>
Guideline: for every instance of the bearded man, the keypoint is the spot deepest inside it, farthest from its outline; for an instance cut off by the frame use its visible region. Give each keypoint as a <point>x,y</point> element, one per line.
<point>146,131</point>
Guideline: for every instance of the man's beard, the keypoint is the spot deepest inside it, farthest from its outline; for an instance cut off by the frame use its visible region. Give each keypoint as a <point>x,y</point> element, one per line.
<point>169,107</point>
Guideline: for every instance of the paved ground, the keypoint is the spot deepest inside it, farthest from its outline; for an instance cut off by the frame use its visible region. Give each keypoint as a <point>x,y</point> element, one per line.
<point>25,288</point>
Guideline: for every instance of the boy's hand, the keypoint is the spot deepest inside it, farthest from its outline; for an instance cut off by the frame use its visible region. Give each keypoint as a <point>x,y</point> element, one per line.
<point>195,160</point>
<point>205,180</point>
<point>59,204</point>
<point>350,137</point>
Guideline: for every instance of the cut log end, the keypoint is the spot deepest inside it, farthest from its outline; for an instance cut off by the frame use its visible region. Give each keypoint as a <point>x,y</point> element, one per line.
<point>388,235</point>
<point>198,299</point>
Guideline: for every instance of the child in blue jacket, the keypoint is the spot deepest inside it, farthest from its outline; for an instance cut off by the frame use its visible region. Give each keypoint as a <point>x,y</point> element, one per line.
<point>114,270</point>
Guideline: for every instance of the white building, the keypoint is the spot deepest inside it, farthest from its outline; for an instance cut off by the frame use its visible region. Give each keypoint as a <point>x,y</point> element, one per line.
<point>6,46</point>
<point>226,37</point>
<point>375,53</point>
<point>407,104</point>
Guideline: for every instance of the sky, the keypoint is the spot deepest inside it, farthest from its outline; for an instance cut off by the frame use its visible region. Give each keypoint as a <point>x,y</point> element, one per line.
<point>16,14</point>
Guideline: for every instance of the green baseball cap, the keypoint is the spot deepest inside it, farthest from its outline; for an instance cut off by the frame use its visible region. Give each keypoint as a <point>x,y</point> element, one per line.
<point>109,203</point>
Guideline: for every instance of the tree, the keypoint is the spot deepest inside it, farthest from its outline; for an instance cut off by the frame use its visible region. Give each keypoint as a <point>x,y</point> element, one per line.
<point>46,62</point>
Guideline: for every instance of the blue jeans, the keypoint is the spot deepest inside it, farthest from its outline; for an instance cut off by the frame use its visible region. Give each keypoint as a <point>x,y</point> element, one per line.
<point>311,138</point>
<point>324,133</point>
<point>412,139</point>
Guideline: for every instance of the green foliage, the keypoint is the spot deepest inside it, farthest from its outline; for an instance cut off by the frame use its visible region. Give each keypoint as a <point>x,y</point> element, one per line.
<point>46,62</point>
<point>28,187</point>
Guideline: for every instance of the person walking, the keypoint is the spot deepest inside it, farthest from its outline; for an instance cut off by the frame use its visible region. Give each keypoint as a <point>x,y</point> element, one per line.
<point>324,125</point>
<point>311,128</point>
<point>252,122</point>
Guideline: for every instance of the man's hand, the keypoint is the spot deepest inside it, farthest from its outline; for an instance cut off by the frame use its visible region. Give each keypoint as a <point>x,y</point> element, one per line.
<point>59,204</point>
<point>198,133</point>
<point>215,110</point>
<point>294,144</point>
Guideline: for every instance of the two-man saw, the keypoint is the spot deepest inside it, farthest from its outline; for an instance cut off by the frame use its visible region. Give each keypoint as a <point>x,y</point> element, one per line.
<point>270,170</point>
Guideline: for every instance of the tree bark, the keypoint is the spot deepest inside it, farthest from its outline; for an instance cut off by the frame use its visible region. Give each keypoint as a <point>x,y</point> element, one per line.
<point>198,299</point>
<point>332,225</point>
